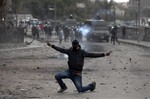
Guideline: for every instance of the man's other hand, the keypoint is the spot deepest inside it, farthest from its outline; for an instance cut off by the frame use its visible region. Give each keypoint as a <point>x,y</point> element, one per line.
<point>107,54</point>
<point>49,44</point>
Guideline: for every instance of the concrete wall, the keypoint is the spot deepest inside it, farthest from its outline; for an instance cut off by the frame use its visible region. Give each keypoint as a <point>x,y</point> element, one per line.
<point>12,35</point>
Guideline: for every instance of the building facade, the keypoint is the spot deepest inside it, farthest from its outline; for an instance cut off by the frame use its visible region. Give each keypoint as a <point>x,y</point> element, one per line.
<point>142,7</point>
<point>143,3</point>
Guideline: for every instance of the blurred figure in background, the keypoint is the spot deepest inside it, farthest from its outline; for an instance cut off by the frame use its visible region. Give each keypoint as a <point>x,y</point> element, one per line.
<point>123,32</point>
<point>57,30</point>
<point>49,32</point>
<point>35,32</point>
<point>66,33</point>
<point>114,37</point>
<point>46,30</point>
<point>60,35</point>
<point>72,34</point>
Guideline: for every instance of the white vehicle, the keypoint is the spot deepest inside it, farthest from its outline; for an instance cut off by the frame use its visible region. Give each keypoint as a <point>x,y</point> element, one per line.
<point>34,21</point>
<point>23,23</point>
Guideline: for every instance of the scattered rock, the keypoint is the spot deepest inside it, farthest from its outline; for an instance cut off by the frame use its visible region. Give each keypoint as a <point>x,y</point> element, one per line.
<point>114,69</point>
<point>147,75</point>
<point>114,87</point>
<point>130,59</point>
<point>102,83</point>
<point>39,88</point>
<point>144,85</point>
<point>34,97</point>
<point>14,72</point>
<point>38,67</point>
<point>4,65</point>
<point>17,87</point>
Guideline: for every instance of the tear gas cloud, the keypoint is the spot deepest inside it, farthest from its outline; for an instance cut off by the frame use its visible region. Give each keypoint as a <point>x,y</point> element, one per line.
<point>85,30</point>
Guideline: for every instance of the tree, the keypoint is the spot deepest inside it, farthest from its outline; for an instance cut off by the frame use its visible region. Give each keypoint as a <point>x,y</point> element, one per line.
<point>40,8</point>
<point>3,10</point>
<point>15,4</point>
<point>146,12</point>
<point>108,6</point>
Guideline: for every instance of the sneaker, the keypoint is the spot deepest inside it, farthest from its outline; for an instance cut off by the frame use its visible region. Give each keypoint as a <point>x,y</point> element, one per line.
<point>93,84</point>
<point>62,90</point>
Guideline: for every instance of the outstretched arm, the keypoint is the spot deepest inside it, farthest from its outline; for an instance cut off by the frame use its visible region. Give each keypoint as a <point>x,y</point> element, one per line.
<point>62,50</point>
<point>96,55</point>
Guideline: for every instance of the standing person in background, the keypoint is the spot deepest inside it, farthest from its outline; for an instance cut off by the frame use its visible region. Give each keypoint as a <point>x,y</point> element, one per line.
<point>72,34</point>
<point>42,29</point>
<point>114,37</point>
<point>46,30</point>
<point>123,32</point>
<point>66,33</point>
<point>60,35</point>
<point>35,32</point>
<point>57,30</point>
<point>49,32</point>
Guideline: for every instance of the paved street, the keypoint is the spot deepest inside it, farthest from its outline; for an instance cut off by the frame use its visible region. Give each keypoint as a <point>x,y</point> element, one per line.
<point>30,66</point>
<point>28,73</point>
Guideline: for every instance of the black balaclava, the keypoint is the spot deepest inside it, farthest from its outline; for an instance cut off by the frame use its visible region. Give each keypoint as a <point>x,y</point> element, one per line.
<point>75,45</point>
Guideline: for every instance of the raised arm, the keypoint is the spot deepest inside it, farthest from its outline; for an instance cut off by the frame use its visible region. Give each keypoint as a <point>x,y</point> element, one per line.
<point>62,50</point>
<point>95,55</point>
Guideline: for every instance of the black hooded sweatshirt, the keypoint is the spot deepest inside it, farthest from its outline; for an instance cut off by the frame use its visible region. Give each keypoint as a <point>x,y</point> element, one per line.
<point>76,58</point>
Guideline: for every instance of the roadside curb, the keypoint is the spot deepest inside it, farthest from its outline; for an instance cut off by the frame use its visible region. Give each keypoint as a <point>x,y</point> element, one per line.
<point>20,48</point>
<point>134,43</point>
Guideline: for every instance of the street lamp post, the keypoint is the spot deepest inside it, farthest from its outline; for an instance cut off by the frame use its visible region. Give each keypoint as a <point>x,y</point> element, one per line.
<point>140,32</point>
<point>54,9</point>
<point>114,12</point>
<point>139,11</point>
<point>55,13</point>
<point>85,10</point>
<point>136,15</point>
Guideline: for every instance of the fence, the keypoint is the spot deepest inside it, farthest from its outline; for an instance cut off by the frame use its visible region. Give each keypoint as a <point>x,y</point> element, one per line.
<point>132,33</point>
